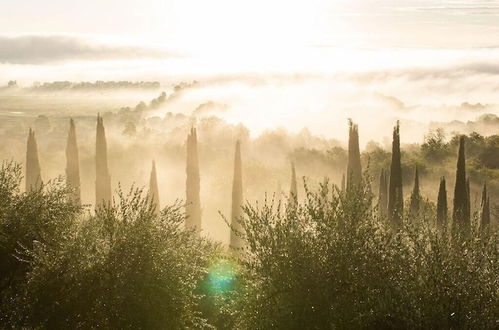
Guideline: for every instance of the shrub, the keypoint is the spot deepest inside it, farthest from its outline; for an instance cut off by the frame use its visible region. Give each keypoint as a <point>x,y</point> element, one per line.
<point>123,267</point>
<point>332,263</point>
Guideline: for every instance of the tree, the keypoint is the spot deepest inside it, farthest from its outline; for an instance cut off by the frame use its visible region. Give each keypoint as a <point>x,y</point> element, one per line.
<point>415,195</point>
<point>124,267</point>
<point>293,191</point>
<point>442,205</point>
<point>354,169</point>
<point>485,216</point>
<point>383,193</point>
<point>434,148</point>
<point>236,241</point>
<point>461,210</point>
<point>33,172</point>
<point>103,194</point>
<point>73,163</point>
<point>395,194</point>
<point>193,202</point>
<point>153,188</point>
<point>343,182</point>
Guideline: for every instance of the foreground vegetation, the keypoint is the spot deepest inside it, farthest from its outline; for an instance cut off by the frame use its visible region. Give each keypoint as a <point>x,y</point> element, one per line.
<point>330,262</point>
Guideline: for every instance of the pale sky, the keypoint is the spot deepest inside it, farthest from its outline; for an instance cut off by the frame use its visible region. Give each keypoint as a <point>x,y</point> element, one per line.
<point>195,24</point>
<point>232,36</point>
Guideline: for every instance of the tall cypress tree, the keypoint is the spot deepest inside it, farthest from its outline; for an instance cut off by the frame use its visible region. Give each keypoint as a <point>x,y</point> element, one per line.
<point>415,195</point>
<point>354,169</point>
<point>153,188</point>
<point>293,191</point>
<point>442,205</point>
<point>395,194</point>
<point>193,201</point>
<point>485,216</point>
<point>383,193</point>
<point>33,172</point>
<point>103,179</point>
<point>461,211</point>
<point>468,200</point>
<point>73,163</point>
<point>236,241</point>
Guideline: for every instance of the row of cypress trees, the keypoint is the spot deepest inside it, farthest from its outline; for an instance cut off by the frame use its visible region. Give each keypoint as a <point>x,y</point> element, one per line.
<point>391,203</point>
<point>390,195</point>
<point>103,191</point>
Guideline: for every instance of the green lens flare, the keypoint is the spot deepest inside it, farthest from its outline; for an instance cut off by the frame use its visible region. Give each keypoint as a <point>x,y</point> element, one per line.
<point>221,276</point>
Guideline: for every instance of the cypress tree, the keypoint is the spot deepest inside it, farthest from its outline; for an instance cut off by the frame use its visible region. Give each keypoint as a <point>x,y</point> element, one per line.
<point>395,194</point>
<point>103,179</point>
<point>415,195</point>
<point>485,216</point>
<point>193,201</point>
<point>153,188</point>
<point>236,241</point>
<point>461,211</point>
<point>343,182</point>
<point>33,172</point>
<point>442,205</point>
<point>293,191</point>
<point>73,163</point>
<point>383,193</point>
<point>468,200</point>
<point>354,169</point>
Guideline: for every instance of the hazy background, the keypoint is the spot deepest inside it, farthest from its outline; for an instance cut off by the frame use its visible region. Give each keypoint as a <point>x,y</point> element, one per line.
<point>280,75</point>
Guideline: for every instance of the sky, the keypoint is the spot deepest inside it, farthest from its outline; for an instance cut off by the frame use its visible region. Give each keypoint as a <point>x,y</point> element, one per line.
<point>308,58</point>
<point>254,29</point>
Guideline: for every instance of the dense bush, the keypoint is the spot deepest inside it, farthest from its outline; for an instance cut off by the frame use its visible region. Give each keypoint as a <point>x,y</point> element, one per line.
<point>40,217</point>
<point>332,263</point>
<point>124,267</point>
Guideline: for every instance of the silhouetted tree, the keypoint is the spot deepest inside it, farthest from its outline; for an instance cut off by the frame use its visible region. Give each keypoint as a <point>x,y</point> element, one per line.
<point>485,216</point>
<point>468,200</point>
<point>354,169</point>
<point>293,191</point>
<point>383,193</point>
<point>153,188</point>
<point>33,172</point>
<point>73,163</point>
<point>415,195</point>
<point>343,182</point>
<point>102,177</point>
<point>461,211</point>
<point>193,202</point>
<point>442,205</point>
<point>236,241</point>
<point>395,194</point>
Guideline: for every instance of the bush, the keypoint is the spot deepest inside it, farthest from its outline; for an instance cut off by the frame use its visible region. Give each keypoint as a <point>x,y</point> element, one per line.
<point>332,263</point>
<point>124,267</point>
<point>26,220</point>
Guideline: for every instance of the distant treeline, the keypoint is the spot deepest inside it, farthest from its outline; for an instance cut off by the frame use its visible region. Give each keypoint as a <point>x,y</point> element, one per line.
<point>87,85</point>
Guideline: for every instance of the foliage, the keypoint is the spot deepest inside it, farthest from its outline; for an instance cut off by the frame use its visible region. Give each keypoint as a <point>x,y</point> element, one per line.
<point>434,148</point>
<point>333,263</point>
<point>124,267</point>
